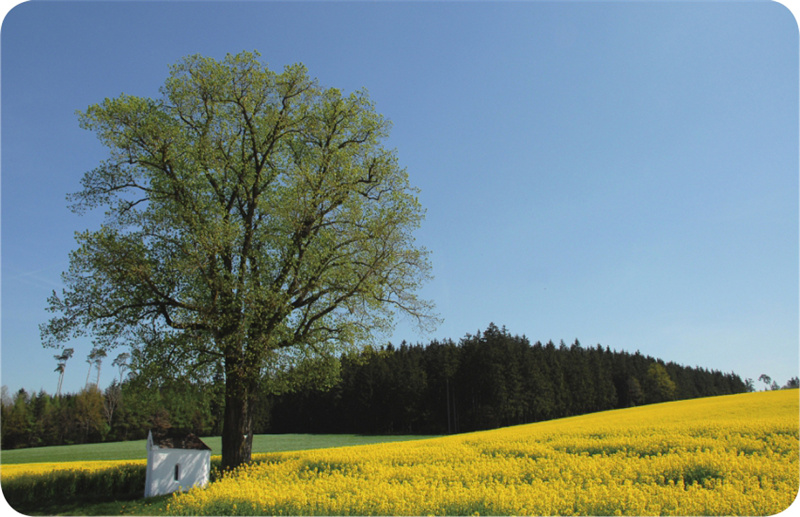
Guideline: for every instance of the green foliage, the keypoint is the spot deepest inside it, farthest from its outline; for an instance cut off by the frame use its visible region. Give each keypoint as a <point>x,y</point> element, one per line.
<point>17,421</point>
<point>251,217</point>
<point>88,414</point>
<point>139,405</point>
<point>659,387</point>
<point>485,381</point>
<point>245,205</point>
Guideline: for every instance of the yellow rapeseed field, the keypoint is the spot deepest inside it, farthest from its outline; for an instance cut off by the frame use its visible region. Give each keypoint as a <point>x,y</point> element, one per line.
<point>15,470</point>
<point>731,455</point>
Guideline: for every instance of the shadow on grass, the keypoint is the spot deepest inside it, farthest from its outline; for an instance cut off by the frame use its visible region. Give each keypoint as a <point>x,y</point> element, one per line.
<point>150,506</point>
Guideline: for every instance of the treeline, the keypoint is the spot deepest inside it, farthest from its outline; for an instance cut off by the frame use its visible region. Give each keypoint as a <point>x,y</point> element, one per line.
<point>122,412</point>
<point>487,380</point>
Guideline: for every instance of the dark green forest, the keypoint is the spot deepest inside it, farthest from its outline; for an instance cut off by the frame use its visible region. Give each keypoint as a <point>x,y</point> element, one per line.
<point>488,380</point>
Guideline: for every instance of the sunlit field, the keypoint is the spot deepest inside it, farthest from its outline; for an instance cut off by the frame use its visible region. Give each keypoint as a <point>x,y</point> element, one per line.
<point>48,480</point>
<point>14,471</point>
<point>731,455</point>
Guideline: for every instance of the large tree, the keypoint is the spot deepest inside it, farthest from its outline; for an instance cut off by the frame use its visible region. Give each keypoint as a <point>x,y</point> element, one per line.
<point>253,219</point>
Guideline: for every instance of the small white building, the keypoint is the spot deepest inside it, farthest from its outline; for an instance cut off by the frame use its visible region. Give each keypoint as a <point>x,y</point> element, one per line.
<point>175,461</point>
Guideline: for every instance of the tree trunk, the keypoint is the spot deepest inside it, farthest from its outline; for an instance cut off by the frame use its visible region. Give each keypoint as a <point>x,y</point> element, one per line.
<point>60,380</point>
<point>237,435</point>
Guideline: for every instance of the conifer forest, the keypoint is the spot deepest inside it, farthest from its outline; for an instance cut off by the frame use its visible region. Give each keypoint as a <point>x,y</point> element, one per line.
<point>484,381</point>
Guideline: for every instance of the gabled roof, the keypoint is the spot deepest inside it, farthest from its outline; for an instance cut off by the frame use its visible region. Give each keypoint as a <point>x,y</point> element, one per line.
<point>175,439</point>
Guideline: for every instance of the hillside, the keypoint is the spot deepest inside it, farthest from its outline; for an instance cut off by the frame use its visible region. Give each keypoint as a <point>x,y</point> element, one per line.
<point>734,455</point>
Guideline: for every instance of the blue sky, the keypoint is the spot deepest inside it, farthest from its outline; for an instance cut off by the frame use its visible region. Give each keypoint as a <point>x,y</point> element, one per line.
<point>620,173</point>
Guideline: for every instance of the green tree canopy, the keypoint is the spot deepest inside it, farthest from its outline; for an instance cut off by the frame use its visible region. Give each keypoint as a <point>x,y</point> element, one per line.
<point>253,219</point>
<point>659,386</point>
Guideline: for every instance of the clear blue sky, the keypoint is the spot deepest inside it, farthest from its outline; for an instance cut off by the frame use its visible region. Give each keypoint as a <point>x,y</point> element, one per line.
<point>620,173</point>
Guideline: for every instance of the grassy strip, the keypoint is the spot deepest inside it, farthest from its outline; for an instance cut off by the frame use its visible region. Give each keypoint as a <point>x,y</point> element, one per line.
<point>136,449</point>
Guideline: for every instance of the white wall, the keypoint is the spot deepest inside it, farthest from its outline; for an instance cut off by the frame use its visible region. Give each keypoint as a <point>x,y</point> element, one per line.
<point>160,476</point>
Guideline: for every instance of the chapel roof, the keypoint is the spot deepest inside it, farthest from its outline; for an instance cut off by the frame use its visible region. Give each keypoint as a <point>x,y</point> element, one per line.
<point>176,439</point>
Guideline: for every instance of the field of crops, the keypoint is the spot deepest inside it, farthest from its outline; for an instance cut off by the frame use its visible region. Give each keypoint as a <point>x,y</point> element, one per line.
<point>732,455</point>
<point>76,478</point>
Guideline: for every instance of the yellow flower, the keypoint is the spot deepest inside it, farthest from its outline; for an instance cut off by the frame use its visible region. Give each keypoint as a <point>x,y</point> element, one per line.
<point>735,455</point>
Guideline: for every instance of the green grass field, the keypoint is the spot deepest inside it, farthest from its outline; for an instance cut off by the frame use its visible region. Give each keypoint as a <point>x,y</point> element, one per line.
<point>136,449</point>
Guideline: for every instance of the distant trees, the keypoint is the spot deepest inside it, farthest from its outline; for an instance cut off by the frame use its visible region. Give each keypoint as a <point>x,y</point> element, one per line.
<point>770,384</point>
<point>121,362</point>
<point>17,421</point>
<point>766,379</point>
<point>485,380</point>
<point>62,359</point>
<point>660,387</point>
<point>89,416</point>
<point>122,412</point>
<point>95,360</point>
